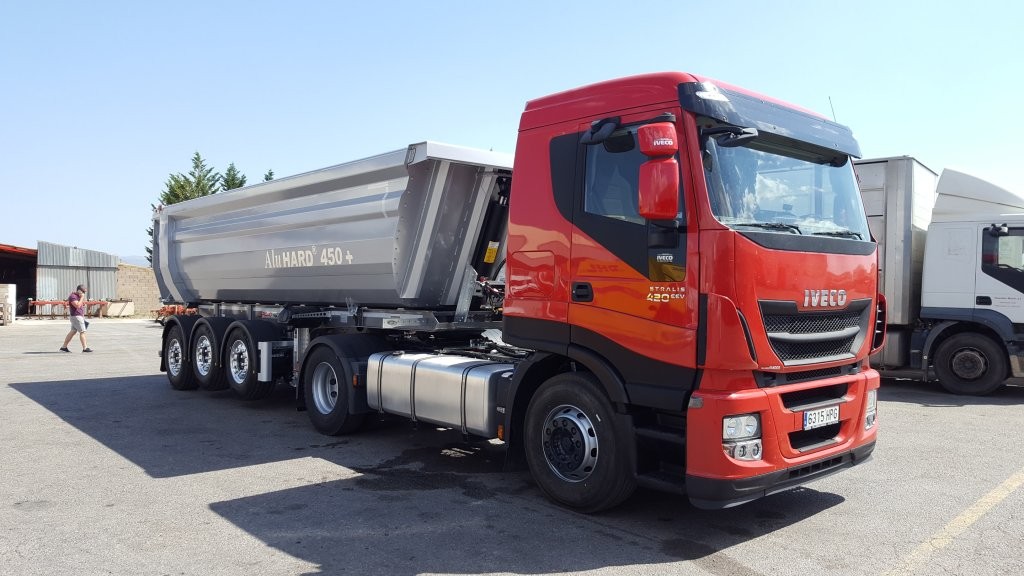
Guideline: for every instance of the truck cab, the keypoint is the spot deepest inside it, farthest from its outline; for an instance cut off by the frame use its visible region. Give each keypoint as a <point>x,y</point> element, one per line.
<point>730,320</point>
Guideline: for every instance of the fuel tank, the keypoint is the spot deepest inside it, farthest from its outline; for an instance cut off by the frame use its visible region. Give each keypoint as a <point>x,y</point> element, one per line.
<point>396,229</point>
<point>444,389</point>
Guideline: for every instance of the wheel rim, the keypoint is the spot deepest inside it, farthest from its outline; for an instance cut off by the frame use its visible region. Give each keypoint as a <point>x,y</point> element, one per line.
<point>239,364</point>
<point>204,355</point>
<point>174,357</point>
<point>325,388</point>
<point>969,363</point>
<point>570,443</point>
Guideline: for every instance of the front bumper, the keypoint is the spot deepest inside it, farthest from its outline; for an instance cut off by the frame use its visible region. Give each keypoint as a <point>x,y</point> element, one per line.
<point>716,493</point>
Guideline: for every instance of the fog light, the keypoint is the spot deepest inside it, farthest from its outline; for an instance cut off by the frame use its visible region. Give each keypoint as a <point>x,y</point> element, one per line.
<point>872,409</point>
<point>745,450</point>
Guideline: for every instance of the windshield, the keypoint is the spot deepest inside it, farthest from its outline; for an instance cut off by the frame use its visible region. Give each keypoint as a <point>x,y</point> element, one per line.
<point>765,186</point>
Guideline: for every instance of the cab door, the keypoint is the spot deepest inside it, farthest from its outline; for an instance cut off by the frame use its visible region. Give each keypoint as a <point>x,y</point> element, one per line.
<point>629,277</point>
<point>1000,275</point>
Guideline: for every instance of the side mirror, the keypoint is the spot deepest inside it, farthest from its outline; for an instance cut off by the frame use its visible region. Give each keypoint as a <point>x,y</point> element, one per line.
<point>997,231</point>
<point>659,176</point>
<point>659,189</point>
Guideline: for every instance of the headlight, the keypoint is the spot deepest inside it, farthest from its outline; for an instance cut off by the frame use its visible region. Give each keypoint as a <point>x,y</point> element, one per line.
<point>872,409</point>
<point>741,427</point>
<point>741,436</point>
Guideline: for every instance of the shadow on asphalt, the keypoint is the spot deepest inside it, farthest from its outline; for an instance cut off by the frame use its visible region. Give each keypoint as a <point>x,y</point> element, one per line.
<point>931,394</point>
<point>380,522</point>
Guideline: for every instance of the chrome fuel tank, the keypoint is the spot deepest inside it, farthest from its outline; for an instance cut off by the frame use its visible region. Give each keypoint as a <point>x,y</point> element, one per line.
<point>452,391</point>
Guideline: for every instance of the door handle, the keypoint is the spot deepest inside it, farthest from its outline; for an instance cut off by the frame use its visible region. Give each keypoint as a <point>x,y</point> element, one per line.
<point>582,292</point>
<point>983,301</point>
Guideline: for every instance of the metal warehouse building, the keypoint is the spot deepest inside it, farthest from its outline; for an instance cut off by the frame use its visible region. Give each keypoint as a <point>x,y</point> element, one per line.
<point>61,268</point>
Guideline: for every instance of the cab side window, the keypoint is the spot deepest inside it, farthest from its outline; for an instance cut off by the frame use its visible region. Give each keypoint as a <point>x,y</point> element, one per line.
<point>1002,257</point>
<point>612,178</point>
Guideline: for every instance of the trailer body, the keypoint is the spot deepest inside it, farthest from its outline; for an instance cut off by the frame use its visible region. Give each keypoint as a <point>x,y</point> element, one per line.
<point>899,194</point>
<point>395,229</point>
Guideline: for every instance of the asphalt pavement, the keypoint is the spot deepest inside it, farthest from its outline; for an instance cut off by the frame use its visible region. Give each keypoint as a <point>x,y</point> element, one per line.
<point>105,469</point>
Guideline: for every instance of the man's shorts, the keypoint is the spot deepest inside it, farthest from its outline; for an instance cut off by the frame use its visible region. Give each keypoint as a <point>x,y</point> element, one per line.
<point>78,323</point>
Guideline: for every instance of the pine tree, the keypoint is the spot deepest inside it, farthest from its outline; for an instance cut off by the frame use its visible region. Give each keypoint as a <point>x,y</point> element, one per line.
<point>200,181</point>
<point>232,178</point>
<point>268,176</point>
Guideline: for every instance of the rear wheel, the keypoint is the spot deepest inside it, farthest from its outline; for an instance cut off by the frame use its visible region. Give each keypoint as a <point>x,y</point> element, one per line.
<point>970,363</point>
<point>204,356</point>
<point>576,448</point>
<point>179,372</point>
<point>241,367</point>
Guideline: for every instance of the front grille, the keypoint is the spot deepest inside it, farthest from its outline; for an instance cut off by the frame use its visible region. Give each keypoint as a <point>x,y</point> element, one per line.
<point>796,352</point>
<point>800,399</point>
<point>770,379</point>
<point>810,322</point>
<point>802,440</point>
<point>816,467</point>
<point>820,336</point>
<point>816,374</point>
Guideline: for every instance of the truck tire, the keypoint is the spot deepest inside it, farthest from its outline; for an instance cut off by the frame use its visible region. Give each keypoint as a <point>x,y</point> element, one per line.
<point>179,372</point>
<point>208,374</point>
<point>324,380</point>
<point>241,367</point>
<point>576,450</point>
<point>971,364</point>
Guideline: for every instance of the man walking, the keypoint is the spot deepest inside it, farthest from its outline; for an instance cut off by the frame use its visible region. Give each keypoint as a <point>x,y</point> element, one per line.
<point>76,311</point>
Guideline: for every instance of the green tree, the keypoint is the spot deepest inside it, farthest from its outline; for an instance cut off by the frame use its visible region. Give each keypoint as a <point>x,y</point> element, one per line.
<point>232,178</point>
<point>268,176</point>
<point>202,180</point>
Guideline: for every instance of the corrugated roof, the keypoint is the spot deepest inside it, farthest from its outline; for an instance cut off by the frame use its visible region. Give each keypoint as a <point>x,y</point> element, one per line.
<point>59,255</point>
<point>9,250</point>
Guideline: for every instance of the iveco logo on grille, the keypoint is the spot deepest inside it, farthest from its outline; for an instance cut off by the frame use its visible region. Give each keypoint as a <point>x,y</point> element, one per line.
<point>824,298</point>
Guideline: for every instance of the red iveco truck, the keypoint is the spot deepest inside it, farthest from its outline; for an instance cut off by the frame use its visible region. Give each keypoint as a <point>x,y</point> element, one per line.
<point>673,285</point>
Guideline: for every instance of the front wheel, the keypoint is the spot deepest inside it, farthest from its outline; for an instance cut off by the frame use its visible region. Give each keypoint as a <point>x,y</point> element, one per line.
<point>971,364</point>
<point>577,452</point>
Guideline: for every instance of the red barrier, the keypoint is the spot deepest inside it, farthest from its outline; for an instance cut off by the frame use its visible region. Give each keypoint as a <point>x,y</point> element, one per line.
<point>60,307</point>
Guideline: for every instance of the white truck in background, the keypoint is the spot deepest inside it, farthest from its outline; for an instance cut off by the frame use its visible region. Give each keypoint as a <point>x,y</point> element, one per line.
<point>951,267</point>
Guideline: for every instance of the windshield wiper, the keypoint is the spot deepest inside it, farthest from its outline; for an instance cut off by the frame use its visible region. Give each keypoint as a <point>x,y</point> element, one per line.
<point>841,234</point>
<point>771,226</point>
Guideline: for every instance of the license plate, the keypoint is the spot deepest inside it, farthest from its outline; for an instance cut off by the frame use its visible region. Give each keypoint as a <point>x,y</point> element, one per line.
<point>821,417</point>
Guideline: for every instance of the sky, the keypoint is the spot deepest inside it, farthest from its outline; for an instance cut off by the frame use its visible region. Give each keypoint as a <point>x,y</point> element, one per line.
<point>101,101</point>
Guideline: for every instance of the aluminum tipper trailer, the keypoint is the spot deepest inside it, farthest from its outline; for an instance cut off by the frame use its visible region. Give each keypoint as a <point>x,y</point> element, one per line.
<point>396,229</point>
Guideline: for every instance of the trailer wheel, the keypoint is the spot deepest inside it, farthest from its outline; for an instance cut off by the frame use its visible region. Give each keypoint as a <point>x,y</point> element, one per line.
<point>577,451</point>
<point>241,367</point>
<point>178,370</point>
<point>204,360</point>
<point>970,363</point>
<point>324,387</point>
